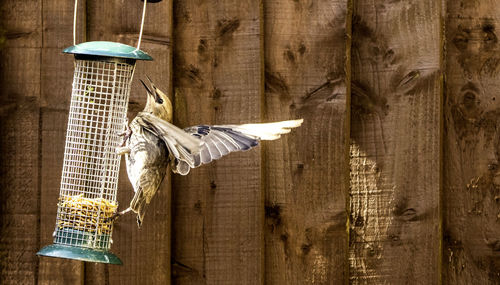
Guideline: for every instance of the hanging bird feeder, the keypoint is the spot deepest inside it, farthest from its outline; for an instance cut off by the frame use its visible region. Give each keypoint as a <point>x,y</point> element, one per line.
<point>98,114</point>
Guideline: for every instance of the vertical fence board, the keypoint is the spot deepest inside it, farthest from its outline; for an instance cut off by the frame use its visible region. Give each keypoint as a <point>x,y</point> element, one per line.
<point>305,174</point>
<point>56,76</point>
<point>227,229</point>
<point>472,119</point>
<point>54,121</point>
<point>395,142</point>
<point>19,166</point>
<point>218,210</point>
<point>145,252</point>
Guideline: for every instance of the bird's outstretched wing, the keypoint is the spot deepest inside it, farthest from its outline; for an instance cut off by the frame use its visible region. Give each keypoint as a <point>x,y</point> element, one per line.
<point>202,144</point>
<point>220,140</point>
<point>181,145</point>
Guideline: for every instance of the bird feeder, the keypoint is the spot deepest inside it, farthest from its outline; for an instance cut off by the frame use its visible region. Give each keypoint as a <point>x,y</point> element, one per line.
<point>97,117</point>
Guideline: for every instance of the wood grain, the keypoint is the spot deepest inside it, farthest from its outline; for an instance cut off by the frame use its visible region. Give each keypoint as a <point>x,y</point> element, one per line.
<point>20,53</point>
<point>351,196</point>
<point>19,195</point>
<point>56,78</point>
<point>53,124</point>
<point>395,142</point>
<point>145,252</point>
<point>218,208</point>
<point>305,172</point>
<point>471,249</point>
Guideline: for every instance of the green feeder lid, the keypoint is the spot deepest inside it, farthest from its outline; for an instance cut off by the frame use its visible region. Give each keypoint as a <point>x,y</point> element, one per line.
<point>79,253</point>
<point>108,49</point>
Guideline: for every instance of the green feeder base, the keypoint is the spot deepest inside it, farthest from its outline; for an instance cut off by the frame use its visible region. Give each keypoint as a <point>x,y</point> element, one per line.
<point>79,253</point>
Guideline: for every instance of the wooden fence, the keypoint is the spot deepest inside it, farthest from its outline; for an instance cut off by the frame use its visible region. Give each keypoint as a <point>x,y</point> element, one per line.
<point>392,179</point>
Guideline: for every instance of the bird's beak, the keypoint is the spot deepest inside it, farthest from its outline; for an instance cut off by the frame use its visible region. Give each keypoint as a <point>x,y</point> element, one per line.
<point>154,92</point>
<point>151,97</point>
<point>147,88</point>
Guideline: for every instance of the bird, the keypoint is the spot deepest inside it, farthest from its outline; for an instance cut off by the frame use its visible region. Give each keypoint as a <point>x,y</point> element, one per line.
<point>152,144</point>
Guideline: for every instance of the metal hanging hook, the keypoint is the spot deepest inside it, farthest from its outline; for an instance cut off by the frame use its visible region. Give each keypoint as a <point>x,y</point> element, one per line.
<point>142,21</point>
<point>142,24</point>
<point>74,23</point>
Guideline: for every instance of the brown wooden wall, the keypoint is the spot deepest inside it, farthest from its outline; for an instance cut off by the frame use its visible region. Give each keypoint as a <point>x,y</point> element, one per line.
<point>393,178</point>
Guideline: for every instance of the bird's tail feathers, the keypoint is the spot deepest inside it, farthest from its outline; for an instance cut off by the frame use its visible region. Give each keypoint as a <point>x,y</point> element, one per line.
<point>138,206</point>
<point>268,131</point>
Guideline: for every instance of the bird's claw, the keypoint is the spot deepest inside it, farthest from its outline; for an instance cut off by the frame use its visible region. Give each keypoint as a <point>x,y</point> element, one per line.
<point>116,215</point>
<point>113,218</point>
<point>126,135</point>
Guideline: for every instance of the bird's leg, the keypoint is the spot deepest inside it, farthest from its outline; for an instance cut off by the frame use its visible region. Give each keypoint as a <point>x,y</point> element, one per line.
<point>126,135</point>
<point>123,149</point>
<point>118,214</point>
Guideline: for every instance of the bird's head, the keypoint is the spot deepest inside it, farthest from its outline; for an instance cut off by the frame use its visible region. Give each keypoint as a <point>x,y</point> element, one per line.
<point>157,102</point>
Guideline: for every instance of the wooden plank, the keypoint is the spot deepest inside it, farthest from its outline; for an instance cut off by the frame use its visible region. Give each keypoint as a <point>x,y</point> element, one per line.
<point>395,142</point>
<point>306,172</point>
<point>53,135</point>
<point>217,208</point>
<point>19,195</point>
<point>20,31</point>
<point>19,166</point>
<point>145,252</point>
<point>57,67</point>
<point>471,249</point>
<point>56,78</point>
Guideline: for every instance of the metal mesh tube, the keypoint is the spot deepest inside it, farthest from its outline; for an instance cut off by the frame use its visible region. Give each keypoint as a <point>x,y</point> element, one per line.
<point>89,179</point>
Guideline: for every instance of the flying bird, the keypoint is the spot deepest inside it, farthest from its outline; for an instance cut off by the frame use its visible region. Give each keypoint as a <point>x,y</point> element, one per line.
<point>152,143</point>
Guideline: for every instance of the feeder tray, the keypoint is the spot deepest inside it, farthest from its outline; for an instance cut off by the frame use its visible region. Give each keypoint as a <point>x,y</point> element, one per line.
<point>79,253</point>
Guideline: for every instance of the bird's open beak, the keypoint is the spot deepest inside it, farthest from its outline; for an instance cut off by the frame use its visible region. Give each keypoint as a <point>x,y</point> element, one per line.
<point>147,88</point>
<point>150,95</point>
<point>154,92</point>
